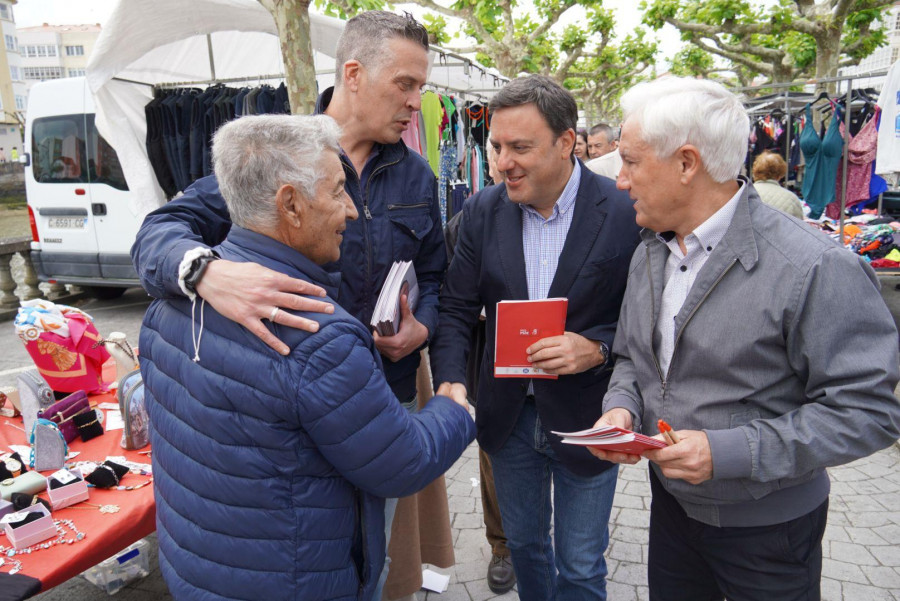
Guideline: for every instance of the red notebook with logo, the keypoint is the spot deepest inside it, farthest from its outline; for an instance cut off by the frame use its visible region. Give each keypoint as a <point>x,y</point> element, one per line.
<point>519,325</point>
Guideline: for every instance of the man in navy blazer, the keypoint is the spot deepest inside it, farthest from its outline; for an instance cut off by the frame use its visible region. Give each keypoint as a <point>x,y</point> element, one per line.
<point>551,229</point>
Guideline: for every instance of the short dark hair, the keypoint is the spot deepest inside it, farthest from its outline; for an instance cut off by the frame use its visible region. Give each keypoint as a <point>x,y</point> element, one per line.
<point>603,128</point>
<point>553,102</point>
<point>365,37</point>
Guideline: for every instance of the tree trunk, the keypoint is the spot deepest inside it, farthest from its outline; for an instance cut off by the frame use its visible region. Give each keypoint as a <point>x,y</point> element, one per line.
<point>828,54</point>
<point>292,20</point>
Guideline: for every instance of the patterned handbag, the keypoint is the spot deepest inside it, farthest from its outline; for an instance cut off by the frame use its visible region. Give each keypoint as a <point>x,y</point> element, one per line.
<point>136,433</point>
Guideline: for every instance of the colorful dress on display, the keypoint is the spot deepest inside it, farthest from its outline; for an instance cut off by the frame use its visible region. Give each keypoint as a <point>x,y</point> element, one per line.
<point>823,155</point>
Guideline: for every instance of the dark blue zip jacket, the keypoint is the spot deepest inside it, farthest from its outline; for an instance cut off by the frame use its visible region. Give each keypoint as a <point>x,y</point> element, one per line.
<point>270,470</point>
<point>399,220</point>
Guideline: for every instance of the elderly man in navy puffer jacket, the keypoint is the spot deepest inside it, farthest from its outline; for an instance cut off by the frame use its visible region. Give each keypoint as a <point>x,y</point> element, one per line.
<point>270,470</point>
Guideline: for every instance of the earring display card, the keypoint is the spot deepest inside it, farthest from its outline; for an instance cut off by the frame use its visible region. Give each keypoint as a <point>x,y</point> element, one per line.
<point>32,532</point>
<point>74,489</point>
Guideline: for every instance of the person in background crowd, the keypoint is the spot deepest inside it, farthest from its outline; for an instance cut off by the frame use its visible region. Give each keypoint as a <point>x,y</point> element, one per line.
<point>768,171</point>
<point>551,229</point>
<point>270,470</point>
<point>581,143</point>
<point>601,140</point>
<point>500,575</point>
<point>768,370</point>
<point>382,66</point>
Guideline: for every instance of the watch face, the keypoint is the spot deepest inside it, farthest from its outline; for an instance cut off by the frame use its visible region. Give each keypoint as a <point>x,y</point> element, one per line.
<point>13,466</point>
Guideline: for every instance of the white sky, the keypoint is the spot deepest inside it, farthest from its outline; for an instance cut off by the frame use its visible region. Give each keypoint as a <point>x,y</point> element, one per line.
<point>29,13</point>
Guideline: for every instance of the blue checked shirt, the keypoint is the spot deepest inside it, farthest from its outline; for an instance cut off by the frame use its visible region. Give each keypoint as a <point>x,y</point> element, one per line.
<point>543,239</point>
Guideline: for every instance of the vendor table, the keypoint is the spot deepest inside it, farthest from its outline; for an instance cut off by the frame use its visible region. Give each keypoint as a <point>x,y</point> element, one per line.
<point>105,533</point>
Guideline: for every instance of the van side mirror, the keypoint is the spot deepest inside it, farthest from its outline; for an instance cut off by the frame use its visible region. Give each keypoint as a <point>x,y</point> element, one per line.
<point>25,159</point>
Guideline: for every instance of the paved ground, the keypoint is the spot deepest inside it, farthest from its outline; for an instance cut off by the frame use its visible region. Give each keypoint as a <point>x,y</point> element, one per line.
<point>862,556</point>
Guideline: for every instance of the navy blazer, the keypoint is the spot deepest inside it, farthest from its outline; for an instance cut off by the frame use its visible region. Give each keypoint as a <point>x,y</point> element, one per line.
<point>489,266</point>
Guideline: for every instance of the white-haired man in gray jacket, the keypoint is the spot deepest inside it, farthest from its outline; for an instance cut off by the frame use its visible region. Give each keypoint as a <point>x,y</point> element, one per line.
<point>763,343</point>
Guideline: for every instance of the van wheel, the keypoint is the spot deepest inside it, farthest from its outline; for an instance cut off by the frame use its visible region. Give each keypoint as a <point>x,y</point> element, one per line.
<point>105,292</point>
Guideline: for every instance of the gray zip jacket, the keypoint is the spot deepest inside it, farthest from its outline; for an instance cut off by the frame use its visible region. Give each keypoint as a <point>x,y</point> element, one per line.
<point>785,355</point>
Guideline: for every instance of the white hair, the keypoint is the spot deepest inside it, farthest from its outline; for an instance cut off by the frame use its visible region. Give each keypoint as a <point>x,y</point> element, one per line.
<point>255,155</point>
<point>675,111</point>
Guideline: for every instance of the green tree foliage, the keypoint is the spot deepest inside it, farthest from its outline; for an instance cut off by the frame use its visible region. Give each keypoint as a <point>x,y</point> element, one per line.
<point>525,37</point>
<point>783,41</point>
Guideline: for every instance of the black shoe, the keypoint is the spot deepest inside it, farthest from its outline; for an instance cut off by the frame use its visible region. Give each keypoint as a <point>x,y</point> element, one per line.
<point>500,577</point>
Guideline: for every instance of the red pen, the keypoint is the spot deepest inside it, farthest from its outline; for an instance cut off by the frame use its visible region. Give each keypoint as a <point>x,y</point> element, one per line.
<point>667,432</point>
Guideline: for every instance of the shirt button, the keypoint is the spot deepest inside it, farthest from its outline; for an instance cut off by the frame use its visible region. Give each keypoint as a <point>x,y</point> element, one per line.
<point>684,268</point>
<point>709,249</point>
<point>543,262</point>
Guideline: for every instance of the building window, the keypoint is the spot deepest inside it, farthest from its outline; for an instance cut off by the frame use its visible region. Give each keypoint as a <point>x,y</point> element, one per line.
<point>76,72</point>
<point>42,73</point>
<point>40,51</point>
<point>14,73</point>
<point>5,12</point>
<point>10,41</point>
<point>20,102</point>
<point>895,53</point>
<point>74,50</point>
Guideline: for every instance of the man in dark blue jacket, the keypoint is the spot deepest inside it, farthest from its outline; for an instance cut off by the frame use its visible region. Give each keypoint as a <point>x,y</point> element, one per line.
<point>551,229</point>
<point>382,64</point>
<point>270,470</point>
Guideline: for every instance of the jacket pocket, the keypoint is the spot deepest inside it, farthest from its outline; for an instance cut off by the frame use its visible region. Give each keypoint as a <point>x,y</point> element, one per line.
<point>409,226</point>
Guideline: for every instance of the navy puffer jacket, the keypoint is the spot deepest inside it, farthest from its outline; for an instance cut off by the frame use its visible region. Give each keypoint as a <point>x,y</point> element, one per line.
<point>270,471</point>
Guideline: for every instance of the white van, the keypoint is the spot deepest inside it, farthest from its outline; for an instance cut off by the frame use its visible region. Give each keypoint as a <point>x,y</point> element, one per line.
<point>82,229</point>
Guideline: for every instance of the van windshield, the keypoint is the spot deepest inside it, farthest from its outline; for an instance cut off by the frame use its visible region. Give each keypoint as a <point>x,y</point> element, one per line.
<point>63,154</point>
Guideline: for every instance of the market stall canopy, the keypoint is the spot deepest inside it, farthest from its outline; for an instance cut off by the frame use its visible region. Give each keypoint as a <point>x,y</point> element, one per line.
<point>149,43</point>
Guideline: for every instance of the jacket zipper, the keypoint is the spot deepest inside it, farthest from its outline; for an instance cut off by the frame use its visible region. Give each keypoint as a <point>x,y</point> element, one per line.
<point>419,205</point>
<point>362,539</point>
<point>688,319</point>
<point>369,283</point>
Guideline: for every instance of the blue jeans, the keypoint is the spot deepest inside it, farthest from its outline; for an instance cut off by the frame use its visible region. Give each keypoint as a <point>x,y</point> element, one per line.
<point>390,508</point>
<point>523,470</point>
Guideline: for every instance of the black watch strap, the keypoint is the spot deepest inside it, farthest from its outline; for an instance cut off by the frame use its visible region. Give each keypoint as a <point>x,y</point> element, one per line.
<point>198,267</point>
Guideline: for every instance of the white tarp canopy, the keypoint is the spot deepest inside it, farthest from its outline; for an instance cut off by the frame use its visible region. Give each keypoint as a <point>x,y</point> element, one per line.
<point>147,43</point>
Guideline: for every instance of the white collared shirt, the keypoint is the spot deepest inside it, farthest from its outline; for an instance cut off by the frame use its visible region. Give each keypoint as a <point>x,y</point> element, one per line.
<point>682,269</point>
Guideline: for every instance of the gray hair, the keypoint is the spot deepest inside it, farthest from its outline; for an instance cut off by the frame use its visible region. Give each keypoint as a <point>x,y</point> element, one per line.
<point>255,155</point>
<point>675,111</point>
<point>365,38</point>
<point>556,105</point>
<point>606,130</point>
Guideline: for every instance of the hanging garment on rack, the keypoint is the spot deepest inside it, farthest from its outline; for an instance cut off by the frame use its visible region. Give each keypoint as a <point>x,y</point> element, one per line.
<point>861,151</point>
<point>822,154</point>
<point>459,192</point>
<point>432,113</point>
<point>448,174</point>
<point>411,135</point>
<point>156,150</point>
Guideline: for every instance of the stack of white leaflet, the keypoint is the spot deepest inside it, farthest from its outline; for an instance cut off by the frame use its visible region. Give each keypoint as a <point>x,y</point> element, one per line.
<point>400,280</point>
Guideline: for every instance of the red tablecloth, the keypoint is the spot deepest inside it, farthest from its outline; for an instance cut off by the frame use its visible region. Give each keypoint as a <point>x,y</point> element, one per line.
<point>105,533</point>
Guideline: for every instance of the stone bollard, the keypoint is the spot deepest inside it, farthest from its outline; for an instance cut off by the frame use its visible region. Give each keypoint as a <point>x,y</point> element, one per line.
<point>30,280</point>
<point>8,300</point>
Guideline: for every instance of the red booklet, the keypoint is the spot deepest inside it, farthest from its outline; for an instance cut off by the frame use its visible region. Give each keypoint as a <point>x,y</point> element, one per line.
<point>612,438</point>
<point>519,325</point>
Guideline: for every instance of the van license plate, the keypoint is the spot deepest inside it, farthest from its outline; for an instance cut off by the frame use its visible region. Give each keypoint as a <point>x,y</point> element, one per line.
<point>67,223</point>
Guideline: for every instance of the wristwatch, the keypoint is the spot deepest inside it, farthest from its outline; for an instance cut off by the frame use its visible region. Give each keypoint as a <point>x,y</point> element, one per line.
<point>198,267</point>
<point>604,351</point>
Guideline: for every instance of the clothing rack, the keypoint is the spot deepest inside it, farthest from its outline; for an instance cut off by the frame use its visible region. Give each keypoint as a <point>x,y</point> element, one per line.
<point>846,78</point>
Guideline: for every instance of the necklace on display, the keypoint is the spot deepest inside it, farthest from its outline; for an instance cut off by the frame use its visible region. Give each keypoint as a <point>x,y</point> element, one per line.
<point>61,527</point>
<point>103,508</point>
